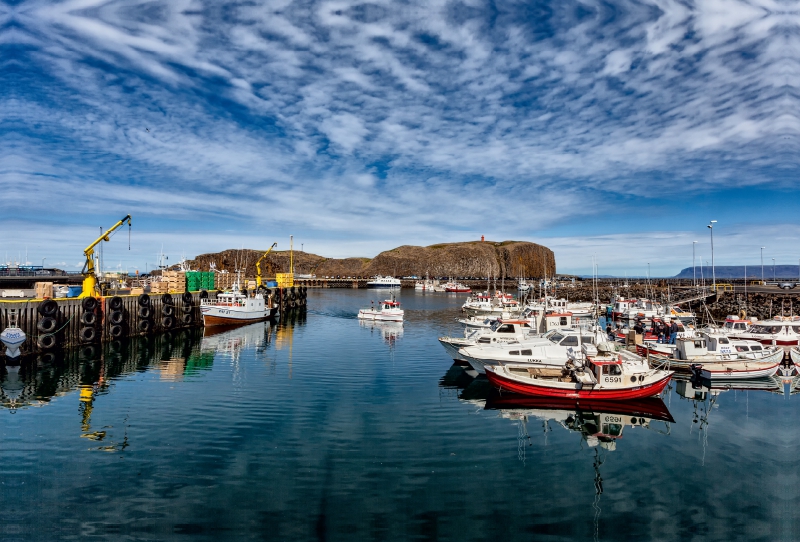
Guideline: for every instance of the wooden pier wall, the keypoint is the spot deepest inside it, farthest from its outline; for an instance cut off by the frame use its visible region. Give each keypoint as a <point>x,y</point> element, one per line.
<point>108,323</point>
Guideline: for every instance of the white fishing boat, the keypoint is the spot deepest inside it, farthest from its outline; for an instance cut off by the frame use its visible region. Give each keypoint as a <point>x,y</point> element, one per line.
<point>736,370</point>
<point>794,354</point>
<point>384,282</point>
<point>783,331</point>
<point>234,308</point>
<point>386,311</point>
<point>426,285</point>
<point>707,349</point>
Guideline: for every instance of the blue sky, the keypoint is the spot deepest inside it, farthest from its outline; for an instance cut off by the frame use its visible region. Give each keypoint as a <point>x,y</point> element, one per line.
<point>607,130</point>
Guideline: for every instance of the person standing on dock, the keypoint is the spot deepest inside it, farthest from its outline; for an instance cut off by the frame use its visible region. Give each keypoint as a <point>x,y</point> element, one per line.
<point>673,332</point>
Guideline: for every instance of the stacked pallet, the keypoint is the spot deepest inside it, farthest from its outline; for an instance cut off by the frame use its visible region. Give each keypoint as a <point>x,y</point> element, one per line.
<point>176,281</point>
<point>224,281</point>
<point>44,290</point>
<point>160,287</point>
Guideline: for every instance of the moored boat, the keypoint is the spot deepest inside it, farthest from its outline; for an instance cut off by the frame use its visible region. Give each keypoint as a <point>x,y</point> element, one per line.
<point>387,311</point>
<point>604,375</point>
<point>736,370</point>
<point>384,282</point>
<point>235,308</point>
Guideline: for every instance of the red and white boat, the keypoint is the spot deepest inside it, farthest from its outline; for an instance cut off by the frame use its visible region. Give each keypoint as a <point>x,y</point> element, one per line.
<point>387,311</point>
<point>234,309</point>
<point>603,375</point>
<point>457,287</point>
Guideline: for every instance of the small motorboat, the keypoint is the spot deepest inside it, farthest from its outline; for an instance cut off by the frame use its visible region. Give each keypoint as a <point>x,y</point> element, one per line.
<point>12,337</point>
<point>387,311</point>
<point>457,287</point>
<point>736,370</point>
<point>601,374</point>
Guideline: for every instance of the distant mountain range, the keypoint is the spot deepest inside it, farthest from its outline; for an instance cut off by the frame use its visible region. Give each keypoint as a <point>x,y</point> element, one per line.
<point>737,272</point>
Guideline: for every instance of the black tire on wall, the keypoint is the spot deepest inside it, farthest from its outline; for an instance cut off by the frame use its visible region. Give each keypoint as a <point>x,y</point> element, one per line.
<point>166,299</point>
<point>48,308</point>
<point>88,334</point>
<point>203,294</point>
<point>88,318</point>
<point>145,312</point>
<point>144,300</point>
<point>187,297</point>
<point>187,309</point>
<point>46,342</point>
<point>144,326</point>
<point>116,331</point>
<point>187,319</point>
<point>116,317</point>
<point>115,303</point>
<point>167,322</point>
<point>89,304</point>
<point>167,310</point>
<point>47,325</point>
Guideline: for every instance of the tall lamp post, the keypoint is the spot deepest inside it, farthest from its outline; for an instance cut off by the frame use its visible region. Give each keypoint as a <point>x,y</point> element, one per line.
<point>694,269</point>
<point>762,264</point>
<point>43,259</point>
<point>773,269</point>
<point>713,273</point>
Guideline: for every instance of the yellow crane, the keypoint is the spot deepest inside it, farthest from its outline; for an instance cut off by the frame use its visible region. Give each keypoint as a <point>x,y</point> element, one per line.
<point>258,264</point>
<point>89,278</point>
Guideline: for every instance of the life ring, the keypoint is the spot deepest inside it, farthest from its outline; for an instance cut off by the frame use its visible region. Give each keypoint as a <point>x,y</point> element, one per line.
<point>88,318</point>
<point>47,325</point>
<point>144,313</point>
<point>89,304</point>
<point>88,334</point>
<point>116,331</point>
<point>144,300</point>
<point>115,303</point>
<point>48,308</point>
<point>46,342</point>
<point>116,317</point>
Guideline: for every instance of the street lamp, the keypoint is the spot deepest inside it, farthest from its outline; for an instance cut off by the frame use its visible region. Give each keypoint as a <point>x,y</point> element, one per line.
<point>43,259</point>
<point>713,273</point>
<point>773,269</point>
<point>694,269</point>
<point>762,264</point>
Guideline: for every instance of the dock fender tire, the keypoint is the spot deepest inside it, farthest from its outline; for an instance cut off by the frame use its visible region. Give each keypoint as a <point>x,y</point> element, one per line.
<point>48,308</point>
<point>187,319</point>
<point>89,304</point>
<point>293,296</point>
<point>144,313</point>
<point>88,318</point>
<point>167,310</point>
<point>203,294</point>
<point>187,297</point>
<point>88,334</point>
<point>46,342</point>
<point>144,300</point>
<point>47,324</point>
<point>168,322</point>
<point>187,309</point>
<point>166,299</point>
<point>116,331</point>
<point>143,326</point>
<point>116,317</point>
<point>292,289</point>
<point>115,303</point>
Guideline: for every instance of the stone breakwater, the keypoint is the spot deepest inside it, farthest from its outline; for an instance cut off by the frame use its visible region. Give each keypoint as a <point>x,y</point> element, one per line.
<point>758,305</point>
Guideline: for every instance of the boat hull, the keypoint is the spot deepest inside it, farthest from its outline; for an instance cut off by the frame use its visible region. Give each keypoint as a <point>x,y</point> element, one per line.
<point>726,372</point>
<point>211,320</point>
<point>546,389</point>
<point>649,407</point>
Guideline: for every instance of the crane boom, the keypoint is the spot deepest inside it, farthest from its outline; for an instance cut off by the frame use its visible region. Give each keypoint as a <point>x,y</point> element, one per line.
<point>258,264</point>
<point>89,279</point>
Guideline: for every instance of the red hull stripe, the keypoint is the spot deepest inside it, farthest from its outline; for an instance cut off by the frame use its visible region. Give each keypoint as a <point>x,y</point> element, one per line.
<point>217,321</point>
<point>505,384</point>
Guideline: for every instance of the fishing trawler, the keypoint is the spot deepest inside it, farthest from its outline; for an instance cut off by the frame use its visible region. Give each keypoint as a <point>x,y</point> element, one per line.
<point>236,307</point>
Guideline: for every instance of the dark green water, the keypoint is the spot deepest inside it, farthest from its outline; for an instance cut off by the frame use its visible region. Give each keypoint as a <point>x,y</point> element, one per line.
<point>322,428</point>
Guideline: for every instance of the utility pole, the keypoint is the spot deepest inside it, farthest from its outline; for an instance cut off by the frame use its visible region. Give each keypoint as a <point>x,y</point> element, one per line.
<point>762,264</point>
<point>694,269</point>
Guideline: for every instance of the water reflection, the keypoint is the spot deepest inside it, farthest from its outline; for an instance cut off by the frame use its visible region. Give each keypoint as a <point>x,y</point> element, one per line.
<point>389,331</point>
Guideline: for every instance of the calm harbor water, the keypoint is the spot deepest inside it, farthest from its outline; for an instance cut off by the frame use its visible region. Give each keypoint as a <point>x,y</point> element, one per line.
<point>324,428</point>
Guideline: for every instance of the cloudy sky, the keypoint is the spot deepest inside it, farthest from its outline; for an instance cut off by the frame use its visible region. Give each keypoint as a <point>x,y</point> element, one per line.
<point>606,130</point>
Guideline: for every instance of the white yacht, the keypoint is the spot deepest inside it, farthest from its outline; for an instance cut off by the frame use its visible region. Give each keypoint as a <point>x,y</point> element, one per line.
<point>387,311</point>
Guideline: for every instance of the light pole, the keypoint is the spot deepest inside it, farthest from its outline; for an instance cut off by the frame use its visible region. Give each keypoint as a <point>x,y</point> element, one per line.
<point>762,264</point>
<point>713,273</point>
<point>43,259</point>
<point>773,269</point>
<point>694,268</point>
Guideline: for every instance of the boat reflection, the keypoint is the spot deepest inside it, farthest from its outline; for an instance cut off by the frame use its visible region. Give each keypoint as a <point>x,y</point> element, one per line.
<point>389,331</point>
<point>601,423</point>
<point>231,340</point>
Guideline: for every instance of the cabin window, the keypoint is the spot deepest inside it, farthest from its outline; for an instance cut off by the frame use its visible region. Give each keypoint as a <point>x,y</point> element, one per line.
<point>613,370</point>
<point>796,329</point>
<point>613,429</point>
<point>556,337</point>
<point>755,348</point>
<point>587,339</point>
<point>699,344</point>
<point>570,341</point>
<point>514,353</point>
<point>742,348</point>
<point>728,325</point>
<point>526,325</point>
<point>526,352</point>
<point>724,340</point>
<point>739,326</point>
<point>563,320</point>
<point>775,329</point>
<point>506,328</point>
